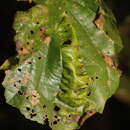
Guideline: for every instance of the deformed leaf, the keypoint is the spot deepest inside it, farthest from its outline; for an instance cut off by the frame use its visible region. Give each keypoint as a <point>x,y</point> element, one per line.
<point>67,65</point>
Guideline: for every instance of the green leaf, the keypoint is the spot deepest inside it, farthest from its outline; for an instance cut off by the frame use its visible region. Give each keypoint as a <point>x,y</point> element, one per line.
<point>66,68</point>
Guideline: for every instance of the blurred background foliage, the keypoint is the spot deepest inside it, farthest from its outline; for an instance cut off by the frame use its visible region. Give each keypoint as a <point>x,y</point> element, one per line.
<point>116,115</point>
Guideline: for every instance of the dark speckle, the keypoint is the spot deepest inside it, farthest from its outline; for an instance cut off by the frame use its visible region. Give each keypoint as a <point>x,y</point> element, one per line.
<point>46,121</point>
<point>96,77</point>
<point>55,116</point>
<point>17,60</point>
<point>33,115</point>
<point>107,33</point>
<point>56,108</point>
<point>29,62</point>
<point>33,111</point>
<point>44,106</point>
<point>20,93</point>
<point>54,122</point>
<point>27,108</point>
<point>90,111</point>
<point>34,96</point>
<point>19,69</point>
<point>92,78</point>
<point>21,49</point>
<point>19,81</point>
<point>32,32</point>
<point>83,88</point>
<point>27,97</point>
<point>66,12</point>
<point>68,42</point>
<point>39,58</point>
<point>89,94</point>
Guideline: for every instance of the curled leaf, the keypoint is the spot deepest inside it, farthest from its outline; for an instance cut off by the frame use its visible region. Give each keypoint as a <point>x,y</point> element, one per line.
<point>62,73</point>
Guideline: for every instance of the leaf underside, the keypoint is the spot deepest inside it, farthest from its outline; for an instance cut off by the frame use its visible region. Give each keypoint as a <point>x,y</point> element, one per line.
<point>66,64</point>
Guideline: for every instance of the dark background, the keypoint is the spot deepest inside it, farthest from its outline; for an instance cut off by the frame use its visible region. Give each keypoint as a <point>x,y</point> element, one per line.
<point>116,115</point>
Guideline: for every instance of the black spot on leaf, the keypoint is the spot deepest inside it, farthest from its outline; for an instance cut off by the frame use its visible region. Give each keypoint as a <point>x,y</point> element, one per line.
<point>20,93</point>
<point>19,69</point>
<point>32,32</point>
<point>96,77</point>
<point>39,58</point>
<point>56,116</point>
<point>54,122</point>
<point>56,108</point>
<point>33,115</point>
<point>89,94</point>
<point>27,108</point>
<point>21,49</point>
<point>27,97</point>
<point>19,81</point>
<point>29,62</point>
<point>106,32</point>
<point>92,78</point>
<point>68,42</point>
<point>46,121</point>
<point>58,120</point>
<point>33,111</point>
<point>44,106</point>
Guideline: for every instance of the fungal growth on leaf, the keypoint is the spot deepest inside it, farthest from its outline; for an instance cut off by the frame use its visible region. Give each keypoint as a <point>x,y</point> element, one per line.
<point>65,70</point>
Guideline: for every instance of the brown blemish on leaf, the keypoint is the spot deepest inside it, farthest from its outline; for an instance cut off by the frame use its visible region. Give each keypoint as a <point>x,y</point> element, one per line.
<point>8,72</point>
<point>42,33</point>
<point>109,61</point>
<point>47,40</point>
<point>13,80</point>
<point>75,117</point>
<point>55,94</point>
<point>29,61</point>
<point>34,100</point>
<point>99,21</point>
<point>43,29</point>
<point>86,116</point>
<point>22,50</point>
<point>75,6</point>
<point>32,41</point>
<point>26,79</point>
